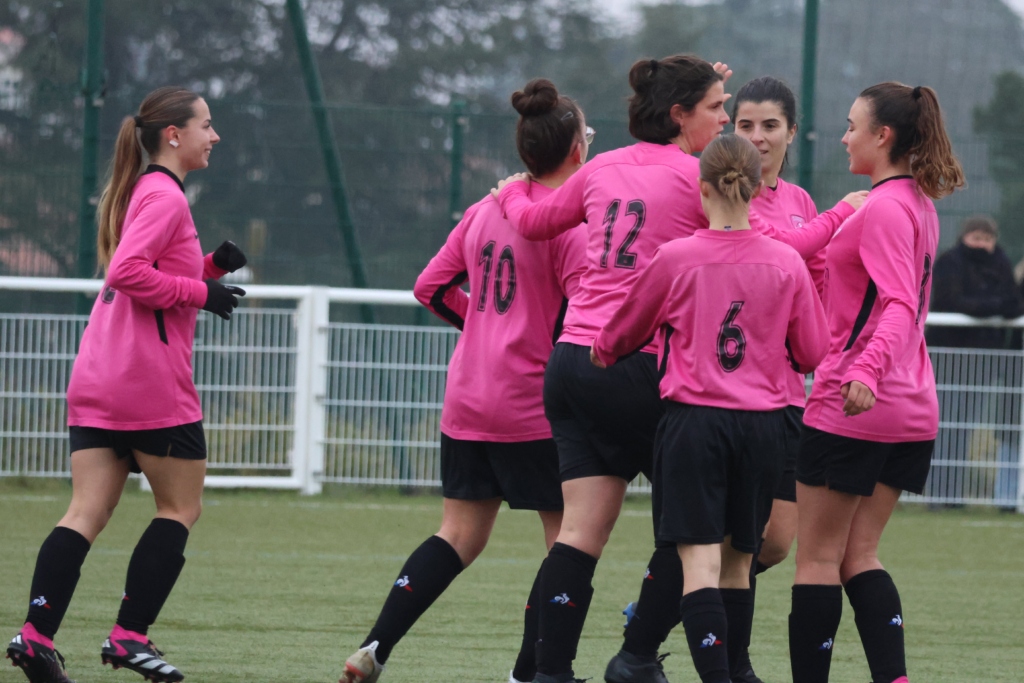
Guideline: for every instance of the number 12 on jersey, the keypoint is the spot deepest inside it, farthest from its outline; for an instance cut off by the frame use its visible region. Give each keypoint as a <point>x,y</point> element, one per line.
<point>624,258</point>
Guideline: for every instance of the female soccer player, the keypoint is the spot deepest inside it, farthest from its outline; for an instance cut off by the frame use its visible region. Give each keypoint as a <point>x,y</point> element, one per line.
<point>764,112</point>
<point>734,309</point>
<point>633,200</point>
<point>132,404</point>
<point>495,441</point>
<point>872,417</point>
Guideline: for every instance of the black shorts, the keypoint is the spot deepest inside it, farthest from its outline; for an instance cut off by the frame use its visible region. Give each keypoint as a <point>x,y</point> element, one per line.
<point>525,473</point>
<point>603,420</point>
<point>187,442</point>
<point>717,470</point>
<point>786,489</point>
<point>855,465</point>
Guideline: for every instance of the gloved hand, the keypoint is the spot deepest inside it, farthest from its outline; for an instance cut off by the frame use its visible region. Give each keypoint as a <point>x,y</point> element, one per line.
<point>221,299</point>
<point>229,257</point>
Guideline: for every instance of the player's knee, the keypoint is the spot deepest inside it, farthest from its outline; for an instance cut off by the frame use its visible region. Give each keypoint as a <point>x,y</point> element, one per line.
<point>772,554</point>
<point>185,513</point>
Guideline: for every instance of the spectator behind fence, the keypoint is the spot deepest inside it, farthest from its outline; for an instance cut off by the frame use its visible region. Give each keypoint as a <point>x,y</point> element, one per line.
<point>975,277</point>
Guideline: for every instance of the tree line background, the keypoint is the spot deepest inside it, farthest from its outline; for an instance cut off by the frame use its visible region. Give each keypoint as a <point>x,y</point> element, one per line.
<point>392,70</point>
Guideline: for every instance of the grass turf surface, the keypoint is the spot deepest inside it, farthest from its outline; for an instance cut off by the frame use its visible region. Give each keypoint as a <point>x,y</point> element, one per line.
<point>283,588</point>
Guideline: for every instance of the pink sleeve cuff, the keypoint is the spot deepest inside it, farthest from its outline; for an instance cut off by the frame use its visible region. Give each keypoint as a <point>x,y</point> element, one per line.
<point>197,294</point>
<point>863,376</point>
<point>210,269</point>
<point>603,356</point>
<point>516,188</point>
<point>844,210</point>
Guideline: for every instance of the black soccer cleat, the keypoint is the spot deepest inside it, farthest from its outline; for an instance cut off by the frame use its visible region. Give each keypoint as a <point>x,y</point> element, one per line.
<point>141,657</point>
<point>40,662</point>
<point>626,667</point>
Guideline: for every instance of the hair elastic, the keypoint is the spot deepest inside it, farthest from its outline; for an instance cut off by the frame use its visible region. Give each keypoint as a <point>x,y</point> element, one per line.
<point>916,92</point>
<point>654,64</point>
<point>138,121</point>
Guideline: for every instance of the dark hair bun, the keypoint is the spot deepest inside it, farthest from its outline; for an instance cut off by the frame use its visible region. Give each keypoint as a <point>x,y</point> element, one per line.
<point>540,96</point>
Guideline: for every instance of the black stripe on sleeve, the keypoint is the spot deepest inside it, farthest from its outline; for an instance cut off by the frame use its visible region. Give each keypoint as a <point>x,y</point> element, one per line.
<point>161,330</point>
<point>792,361</point>
<point>437,301</point>
<point>664,356</point>
<point>560,321</point>
<point>865,312</point>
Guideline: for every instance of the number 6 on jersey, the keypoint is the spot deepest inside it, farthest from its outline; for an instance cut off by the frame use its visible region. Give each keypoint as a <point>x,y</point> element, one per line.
<point>731,342</point>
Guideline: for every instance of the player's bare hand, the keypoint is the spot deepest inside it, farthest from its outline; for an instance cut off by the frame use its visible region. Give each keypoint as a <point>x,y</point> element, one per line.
<point>723,69</point>
<point>595,360</point>
<point>525,177</point>
<point>858,398</point>
<point>855,199</point>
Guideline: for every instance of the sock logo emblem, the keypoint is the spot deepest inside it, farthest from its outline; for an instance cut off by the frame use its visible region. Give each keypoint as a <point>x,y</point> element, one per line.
<point>403,582</point>
<point>827,645</point>
<point>647,575</point>
<point>896,621</point>
<point>563,599</point>
<point>41,602</point>
<point>710,640</point>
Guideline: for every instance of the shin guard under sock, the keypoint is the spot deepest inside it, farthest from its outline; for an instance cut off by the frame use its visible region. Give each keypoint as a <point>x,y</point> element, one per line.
<point>424,577</point>
<point>879,616</point>
<point>813,623</point>
<point>58,567</point>
<point>565,593</point>
<point>152,572</point>
<point>526,662</point>
<point>657,612</point>
<point>703,617</point>
<point>739,612</point>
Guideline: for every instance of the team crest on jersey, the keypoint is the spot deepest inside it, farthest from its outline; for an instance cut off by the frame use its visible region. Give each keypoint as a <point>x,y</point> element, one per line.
<point>798,221</point>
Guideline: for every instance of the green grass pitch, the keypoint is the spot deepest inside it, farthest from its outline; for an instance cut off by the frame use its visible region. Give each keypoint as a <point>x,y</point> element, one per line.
<point>283,588</point>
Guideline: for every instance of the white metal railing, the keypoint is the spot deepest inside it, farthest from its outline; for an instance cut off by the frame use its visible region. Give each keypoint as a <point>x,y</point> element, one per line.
<point>294,400</point>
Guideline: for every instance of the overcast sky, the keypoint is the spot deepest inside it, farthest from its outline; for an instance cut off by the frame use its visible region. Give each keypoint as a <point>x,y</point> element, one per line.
<point>623,9</point>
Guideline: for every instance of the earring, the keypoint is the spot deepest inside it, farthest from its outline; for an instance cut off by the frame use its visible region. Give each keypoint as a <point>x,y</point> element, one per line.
<point>174,143</point>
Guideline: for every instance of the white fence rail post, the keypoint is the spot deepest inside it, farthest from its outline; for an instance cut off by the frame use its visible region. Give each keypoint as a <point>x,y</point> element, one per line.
<point>315,381</point>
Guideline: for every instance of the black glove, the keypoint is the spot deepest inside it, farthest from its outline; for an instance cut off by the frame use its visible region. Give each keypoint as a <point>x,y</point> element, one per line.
<point>229,257</point>
<point>220,299</point>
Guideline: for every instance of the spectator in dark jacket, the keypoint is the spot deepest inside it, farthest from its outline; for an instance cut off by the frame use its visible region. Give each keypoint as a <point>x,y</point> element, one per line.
<point>976,278</point>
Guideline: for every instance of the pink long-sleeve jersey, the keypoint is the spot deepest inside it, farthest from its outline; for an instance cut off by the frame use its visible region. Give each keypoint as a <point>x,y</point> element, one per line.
<point>735,311</point>
<point>633,199</point>
<point>134,365</point>
<point>877,288</point>
<point>509,320</point>
<point>789,207</point>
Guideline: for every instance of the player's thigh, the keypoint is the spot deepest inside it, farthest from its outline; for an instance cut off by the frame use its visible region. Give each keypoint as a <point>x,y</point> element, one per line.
<point>177,485</point>
<point>780,533</point>
<point>592,505</point>
<point>823,527</point>
<point>97,481</point>
<point>869,522</point>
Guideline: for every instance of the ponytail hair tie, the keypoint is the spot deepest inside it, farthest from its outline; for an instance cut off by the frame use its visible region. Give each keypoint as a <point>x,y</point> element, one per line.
<point>138,121</point>
<point>916,92</point>
<point>654,64</point>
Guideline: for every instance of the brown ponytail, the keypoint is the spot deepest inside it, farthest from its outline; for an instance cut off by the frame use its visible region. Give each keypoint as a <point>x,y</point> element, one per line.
<point>915,118</point>
<point>167,106</point>
<point>731,165</point>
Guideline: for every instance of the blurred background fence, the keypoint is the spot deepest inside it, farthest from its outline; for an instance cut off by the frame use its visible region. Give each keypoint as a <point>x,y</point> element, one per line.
<point>293,399</point>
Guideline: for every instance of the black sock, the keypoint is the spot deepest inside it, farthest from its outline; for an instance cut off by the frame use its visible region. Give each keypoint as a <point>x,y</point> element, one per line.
<point>879,616</point>
<point>739,612</point>
<point>58,567</point>
<point>565,593</point>
<point>425,575</point>
<point>526,663</point>
<point>703,617</point>
<point>152,572</point>
<point>656,612</point>
<point>813,623</point>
